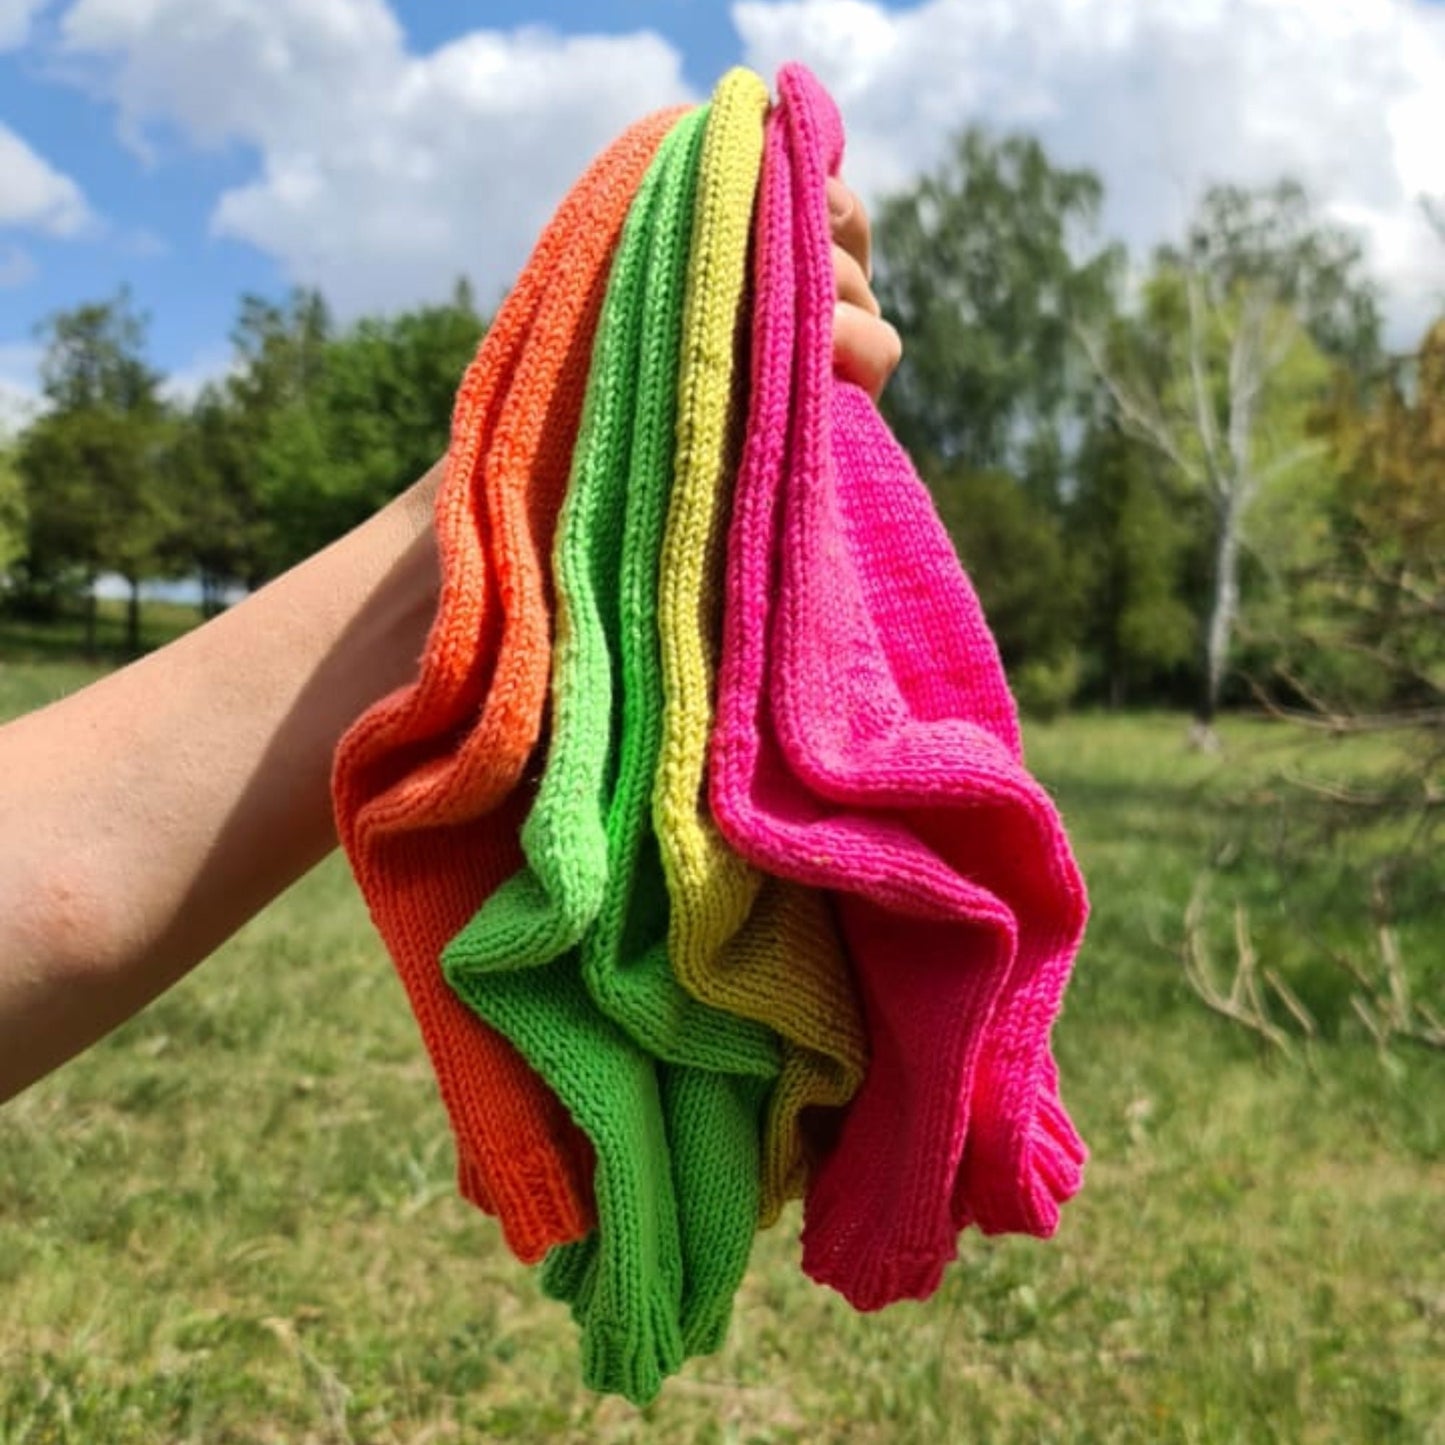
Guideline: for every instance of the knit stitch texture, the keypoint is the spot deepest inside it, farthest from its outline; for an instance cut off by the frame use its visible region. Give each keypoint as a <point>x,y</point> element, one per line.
<point>517,962</point>
<point>770,955</point>
<point>713,1117</point>
<point>420,784</point>
<point>694,282</point>
<point>867,743</point>
<point>771,906</point>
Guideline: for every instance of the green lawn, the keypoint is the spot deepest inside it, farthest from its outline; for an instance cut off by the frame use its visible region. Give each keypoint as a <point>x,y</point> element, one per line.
<point>234,1221</point>
<point>61,640</point>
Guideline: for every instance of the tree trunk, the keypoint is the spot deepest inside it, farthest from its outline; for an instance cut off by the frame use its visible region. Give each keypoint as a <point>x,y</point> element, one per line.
<point>1223,609</point>
<point>91,609</point>
<point>1113,661</point>
<point>132,618</point>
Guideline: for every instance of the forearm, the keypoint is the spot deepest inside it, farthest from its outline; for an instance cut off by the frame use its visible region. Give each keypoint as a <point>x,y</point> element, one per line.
<point>145,818</point>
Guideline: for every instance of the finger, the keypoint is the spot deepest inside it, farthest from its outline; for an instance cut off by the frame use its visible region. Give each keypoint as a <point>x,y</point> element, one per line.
<point>851,285</point>
<point>849,223</point>
<point>866,349</point>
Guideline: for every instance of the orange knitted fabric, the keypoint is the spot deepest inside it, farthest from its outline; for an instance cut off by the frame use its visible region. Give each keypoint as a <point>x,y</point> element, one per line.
<point>426,783</point>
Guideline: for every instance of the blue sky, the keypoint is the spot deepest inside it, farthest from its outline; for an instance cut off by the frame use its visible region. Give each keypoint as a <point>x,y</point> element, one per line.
<point>379,148</point>
<point>152,213</point>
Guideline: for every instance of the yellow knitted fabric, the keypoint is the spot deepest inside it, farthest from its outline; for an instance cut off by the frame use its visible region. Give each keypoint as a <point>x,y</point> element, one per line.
<point>766,950</point>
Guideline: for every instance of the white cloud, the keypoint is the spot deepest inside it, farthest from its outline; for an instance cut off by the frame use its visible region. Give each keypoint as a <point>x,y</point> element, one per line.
<point>17,266</point>
<point>382,175</point>
<point>1159,96</point>
<point>15,18</point>
<point>34,194</point>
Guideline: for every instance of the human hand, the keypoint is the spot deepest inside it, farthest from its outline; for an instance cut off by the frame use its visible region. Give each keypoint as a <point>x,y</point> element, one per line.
<point>866,348</point>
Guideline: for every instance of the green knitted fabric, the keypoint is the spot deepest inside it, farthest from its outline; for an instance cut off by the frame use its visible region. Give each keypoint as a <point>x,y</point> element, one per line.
<point>517,963</point>
<point>714,1117</point>
<point>624,956</point>
<point>713,1120</point>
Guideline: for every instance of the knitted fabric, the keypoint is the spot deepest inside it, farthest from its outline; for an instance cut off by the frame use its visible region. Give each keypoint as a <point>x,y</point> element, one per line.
<point>517,961</point>
<point>866,742</point>
<point>1023,1155</point>
<point>713,1119</point>
<point>714,1107</point>
<point>625,958</point>
<point>782,965</point>
<point>583,832</point>
<point>607,705</point>
<point>419,780</point>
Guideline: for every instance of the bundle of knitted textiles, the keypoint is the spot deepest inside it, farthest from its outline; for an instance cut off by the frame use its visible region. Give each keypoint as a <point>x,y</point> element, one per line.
<point>702,841</point>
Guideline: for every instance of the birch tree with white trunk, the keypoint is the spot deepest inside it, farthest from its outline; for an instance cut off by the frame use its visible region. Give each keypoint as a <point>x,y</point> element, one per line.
<point>1218,368</point>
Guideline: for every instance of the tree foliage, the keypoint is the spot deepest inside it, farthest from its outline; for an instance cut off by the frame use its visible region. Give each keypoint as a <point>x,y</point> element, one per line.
<point>1366,631</point>
<point>1135,543</point>
<point>1148,483</point>
<point>1272,244</point>
<point>311,430</point>
<point>221,533</point>
<point>986,265</point>
<point>92,461</point>
<point>331,425</point>
<point>1015,552</point>
<point>13,519</point>
<point>1218,370</point>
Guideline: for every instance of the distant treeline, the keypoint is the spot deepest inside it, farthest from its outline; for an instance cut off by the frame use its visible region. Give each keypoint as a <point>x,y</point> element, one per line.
<point>1193,477</point>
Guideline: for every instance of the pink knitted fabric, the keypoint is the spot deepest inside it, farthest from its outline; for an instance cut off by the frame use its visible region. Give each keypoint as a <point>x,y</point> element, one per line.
<point>866,742</point>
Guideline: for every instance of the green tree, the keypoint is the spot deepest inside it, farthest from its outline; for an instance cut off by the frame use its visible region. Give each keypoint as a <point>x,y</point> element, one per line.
<point>1218,372</point>
<point>220,536</point>
<point>273,398</point>
<point>325,425</point>
<point>986,265</point>
<point>1030,586</point>
<point>12,512</point>
<point>92,461</point>
<point>1132,541</point>
<point>1367,626</point>
<point>387,399</point>
<point>280,353</point>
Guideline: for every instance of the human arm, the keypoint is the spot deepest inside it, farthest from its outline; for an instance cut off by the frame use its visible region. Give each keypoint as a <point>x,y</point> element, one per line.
<point>147,817</point>
<point>143,819</point>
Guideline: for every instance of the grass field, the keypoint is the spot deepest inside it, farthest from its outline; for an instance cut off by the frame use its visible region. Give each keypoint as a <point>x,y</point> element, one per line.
<point>234,1221</point>
<point>64,638</point>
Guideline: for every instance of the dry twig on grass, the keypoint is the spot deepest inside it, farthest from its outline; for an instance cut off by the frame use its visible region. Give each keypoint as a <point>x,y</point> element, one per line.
<point>1244,1003</point>
<point>1385,1004</point>
<point>1383,1001</point>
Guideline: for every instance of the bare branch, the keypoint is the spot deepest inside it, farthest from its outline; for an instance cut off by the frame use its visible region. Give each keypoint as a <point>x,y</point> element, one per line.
<point>1382,999</point>
<point>1334,793</point>
<point>1199,385</point>
<point>1291,1000</point>
<point>1323,718</point>
<point>1139,416</point>
<point>1243,1005</point>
